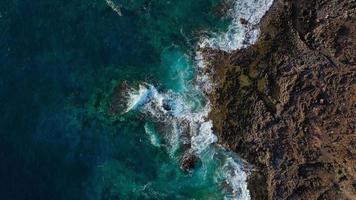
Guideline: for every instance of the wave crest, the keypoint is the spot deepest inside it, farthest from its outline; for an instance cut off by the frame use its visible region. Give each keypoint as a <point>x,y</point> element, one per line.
<point>185,115</point>
<point>243,30</point>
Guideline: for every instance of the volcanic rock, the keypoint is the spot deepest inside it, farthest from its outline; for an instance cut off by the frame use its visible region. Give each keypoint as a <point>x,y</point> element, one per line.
<point>287,103</point>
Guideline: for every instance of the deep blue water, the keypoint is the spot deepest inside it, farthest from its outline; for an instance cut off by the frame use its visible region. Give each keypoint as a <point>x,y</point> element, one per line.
<point>59,63</point>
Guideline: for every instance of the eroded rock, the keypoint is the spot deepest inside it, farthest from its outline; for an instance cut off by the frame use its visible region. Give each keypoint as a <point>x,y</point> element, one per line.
<point>287,103</point>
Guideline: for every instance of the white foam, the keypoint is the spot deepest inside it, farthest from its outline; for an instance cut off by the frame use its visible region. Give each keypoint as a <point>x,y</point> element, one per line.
<point>140,97</point>
<point>240,35</point>
<point>235,179</point>
<point>173,139</point>
<point>151,102</point>
<point>154,139</point>
<point>204,138</point>
<point>178,110</point>
<point>203,79</point>
<point>174,109</point>
<point>115,7</point>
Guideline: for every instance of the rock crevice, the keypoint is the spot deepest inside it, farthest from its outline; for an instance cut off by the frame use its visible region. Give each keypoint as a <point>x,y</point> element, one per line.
<point>287,103</point>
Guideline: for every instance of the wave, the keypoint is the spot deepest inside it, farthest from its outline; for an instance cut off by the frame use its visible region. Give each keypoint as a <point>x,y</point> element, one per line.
<point>183,124</point>
<point>115,7</point>
<point>154,138</point>
<point>186,125</point>
<point>243,30</point>
<point>138,98</point>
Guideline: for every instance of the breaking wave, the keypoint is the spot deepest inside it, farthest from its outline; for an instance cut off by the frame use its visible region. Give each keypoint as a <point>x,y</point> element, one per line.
<point>184,126</point>
<point>243,30</point>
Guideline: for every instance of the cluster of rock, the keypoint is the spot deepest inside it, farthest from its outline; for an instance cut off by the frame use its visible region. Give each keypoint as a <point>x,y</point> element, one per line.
<point>287,103</point>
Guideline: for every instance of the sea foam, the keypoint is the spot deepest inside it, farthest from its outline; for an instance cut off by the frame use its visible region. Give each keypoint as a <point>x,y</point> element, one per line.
<point>243,30</point>
<point>115,7</point>
<point>180,113</point>
<point>181,116</point>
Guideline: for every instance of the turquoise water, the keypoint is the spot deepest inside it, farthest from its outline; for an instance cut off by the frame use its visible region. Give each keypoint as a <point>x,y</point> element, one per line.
<point>60,64</point>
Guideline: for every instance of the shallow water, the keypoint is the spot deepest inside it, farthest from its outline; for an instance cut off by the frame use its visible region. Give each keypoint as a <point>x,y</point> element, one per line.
<point>60,62</point>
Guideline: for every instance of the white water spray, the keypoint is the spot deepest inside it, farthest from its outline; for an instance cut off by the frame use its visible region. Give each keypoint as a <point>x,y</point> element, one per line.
<point>177,109</point>
<point>243,30</point>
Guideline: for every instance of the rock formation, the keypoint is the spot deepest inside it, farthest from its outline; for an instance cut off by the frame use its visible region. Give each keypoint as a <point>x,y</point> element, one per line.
<point>287,103</point>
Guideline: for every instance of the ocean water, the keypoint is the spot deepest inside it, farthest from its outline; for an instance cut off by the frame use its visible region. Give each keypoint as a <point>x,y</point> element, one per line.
<point>60,62</point>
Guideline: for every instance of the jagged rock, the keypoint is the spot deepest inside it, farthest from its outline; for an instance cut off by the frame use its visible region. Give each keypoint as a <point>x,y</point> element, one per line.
<point>295,119</point>
<point>119,99</point>
<point>188,161</point>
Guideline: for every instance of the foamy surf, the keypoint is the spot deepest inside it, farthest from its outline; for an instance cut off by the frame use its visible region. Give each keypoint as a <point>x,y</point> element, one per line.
<point>181,119</point>
<point>140,97</point>
<point>186,123</point>
<point>234,177</point>
<point>243,30</point>
<point>115,7</point>
<point>151,132</point>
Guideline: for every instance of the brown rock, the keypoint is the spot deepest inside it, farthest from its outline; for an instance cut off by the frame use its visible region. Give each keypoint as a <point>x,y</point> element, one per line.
<point>188,161</point>
<point>294,119</point>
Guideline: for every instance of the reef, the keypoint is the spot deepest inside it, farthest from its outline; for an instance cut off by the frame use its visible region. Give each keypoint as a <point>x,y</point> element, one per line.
<point>287,103</point>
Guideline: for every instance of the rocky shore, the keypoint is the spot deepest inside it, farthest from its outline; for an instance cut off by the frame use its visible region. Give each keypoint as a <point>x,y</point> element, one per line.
<point>287,103</point>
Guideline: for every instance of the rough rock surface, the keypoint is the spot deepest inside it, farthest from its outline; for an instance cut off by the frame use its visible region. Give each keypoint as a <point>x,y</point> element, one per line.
<point>188,161</point>
<point>288,103</point>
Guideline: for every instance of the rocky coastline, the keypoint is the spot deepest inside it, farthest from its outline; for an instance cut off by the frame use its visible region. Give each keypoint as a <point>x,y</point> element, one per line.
<point>287,103</point>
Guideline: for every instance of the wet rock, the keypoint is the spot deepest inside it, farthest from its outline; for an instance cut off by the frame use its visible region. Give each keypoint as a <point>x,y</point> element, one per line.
<point>287,103</point>
<point>119,99</point>
<point>167,105</point>
<point>243,21</point>
<point>188,161</point>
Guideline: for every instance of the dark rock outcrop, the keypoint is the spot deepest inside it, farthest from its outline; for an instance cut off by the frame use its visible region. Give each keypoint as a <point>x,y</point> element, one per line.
<point>119,99</point>
<point>287,103</point>
<point>188,161</point>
